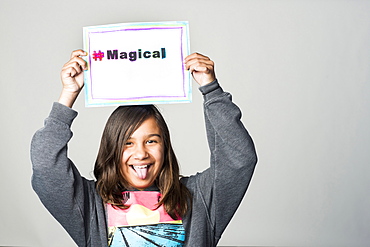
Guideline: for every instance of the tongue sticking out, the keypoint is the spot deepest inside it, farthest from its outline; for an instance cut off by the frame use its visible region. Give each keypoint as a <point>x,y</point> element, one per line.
<point>141,171</point>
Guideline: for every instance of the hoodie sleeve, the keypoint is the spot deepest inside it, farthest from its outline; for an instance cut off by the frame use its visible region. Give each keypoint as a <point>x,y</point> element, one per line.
<point>55,178</point>
<point>233,157</point>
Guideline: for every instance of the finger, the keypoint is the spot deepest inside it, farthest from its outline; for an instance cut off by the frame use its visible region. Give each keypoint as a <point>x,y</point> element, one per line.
<point>195,58</point>
<point>78,53</point>
<point>197,63</point>
<point>75,66</point>
<point>201,67</point>
<point>195,55</point>
<point>207,69</point>
<point>69,72</point>
<point>77,61</point>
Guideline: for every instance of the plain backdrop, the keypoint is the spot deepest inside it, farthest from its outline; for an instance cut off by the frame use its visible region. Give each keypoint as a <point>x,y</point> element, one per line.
<point>299,70</point>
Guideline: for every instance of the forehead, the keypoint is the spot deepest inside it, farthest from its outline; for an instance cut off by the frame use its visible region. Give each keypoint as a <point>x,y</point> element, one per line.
<point>148,127</point>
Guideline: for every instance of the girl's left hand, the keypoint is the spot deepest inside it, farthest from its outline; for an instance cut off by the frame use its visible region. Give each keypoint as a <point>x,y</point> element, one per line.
<point>201,67</point>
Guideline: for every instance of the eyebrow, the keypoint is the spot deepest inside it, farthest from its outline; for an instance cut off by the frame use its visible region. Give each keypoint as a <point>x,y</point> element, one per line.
<point>150,135</point>
<point>158,135</point>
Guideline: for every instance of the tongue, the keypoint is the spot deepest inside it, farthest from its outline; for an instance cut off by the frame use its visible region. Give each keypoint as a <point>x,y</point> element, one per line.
<point>141,171</point>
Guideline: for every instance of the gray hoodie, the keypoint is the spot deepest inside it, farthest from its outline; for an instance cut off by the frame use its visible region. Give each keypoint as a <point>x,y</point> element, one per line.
<point>217,191</point>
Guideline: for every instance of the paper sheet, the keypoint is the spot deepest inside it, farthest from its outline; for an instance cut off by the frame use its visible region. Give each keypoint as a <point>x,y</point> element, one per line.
<point>137,63</point>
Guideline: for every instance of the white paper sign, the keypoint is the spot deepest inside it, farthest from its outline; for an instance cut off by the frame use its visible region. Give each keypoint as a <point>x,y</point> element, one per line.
<point>137,63</point>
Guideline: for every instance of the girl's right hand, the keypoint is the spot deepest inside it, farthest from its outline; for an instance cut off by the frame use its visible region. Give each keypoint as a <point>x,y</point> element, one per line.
<point>72,78</point>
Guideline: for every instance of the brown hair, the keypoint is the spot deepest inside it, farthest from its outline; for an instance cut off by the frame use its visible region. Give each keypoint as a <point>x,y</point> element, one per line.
<point>176,198</point>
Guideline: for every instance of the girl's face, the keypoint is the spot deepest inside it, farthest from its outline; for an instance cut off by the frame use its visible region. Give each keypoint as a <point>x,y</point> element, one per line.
<point>143,153</point>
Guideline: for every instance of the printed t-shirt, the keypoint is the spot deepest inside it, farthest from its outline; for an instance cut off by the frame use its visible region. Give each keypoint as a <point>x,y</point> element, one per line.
<point>143,224</point>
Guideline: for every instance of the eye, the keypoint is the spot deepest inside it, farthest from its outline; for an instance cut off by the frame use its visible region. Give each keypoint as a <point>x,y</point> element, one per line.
<point>128,143</point>
<point>151,141</point>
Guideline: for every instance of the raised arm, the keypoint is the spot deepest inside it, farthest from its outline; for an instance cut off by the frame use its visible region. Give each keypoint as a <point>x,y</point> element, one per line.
<point>55,178</point>
<point>233,156</point>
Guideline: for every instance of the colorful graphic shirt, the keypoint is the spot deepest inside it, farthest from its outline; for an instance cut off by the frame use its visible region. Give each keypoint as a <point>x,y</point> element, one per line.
<point>143,224</point>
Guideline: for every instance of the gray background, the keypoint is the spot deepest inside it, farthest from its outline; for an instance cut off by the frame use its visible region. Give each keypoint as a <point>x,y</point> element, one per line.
<point>299,70</point>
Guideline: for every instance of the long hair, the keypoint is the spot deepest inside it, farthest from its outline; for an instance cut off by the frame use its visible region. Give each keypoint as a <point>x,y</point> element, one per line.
<point>122,123</point>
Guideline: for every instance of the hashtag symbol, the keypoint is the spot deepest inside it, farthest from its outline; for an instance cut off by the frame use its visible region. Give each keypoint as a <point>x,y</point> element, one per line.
<point>98,55</point>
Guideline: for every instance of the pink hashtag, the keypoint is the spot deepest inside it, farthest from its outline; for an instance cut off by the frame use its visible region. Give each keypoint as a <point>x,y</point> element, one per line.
<point>98,55</point>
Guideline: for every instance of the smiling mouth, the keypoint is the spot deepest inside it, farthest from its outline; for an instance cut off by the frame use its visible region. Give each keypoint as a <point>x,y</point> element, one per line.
<point>141,171</point>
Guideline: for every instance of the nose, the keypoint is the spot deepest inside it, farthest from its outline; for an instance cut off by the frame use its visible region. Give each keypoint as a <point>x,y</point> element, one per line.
<point>140,152</point>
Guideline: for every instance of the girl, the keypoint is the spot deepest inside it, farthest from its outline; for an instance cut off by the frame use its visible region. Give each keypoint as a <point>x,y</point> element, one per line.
<point>139,198</point>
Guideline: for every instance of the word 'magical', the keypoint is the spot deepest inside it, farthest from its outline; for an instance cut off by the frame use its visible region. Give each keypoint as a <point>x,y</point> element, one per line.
<point>132,55</point>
